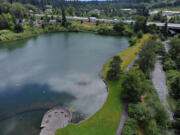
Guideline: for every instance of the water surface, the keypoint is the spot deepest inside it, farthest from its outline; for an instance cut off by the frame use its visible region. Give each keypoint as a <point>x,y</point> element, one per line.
<point>60,69</point>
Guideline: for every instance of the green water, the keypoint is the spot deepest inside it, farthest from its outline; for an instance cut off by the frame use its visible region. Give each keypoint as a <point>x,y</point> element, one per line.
<point>60,69</point>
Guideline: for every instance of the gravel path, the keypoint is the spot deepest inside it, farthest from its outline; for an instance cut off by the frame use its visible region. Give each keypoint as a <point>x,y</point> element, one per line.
<point>159,82</point>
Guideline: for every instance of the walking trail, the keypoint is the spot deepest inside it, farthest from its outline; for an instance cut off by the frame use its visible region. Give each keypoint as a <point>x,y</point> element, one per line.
<point>159,82</point>
<point>124,116</point>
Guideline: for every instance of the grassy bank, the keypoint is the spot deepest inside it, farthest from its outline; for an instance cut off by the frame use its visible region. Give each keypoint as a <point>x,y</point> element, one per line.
<point>106,120</point>
<point>8,35</point>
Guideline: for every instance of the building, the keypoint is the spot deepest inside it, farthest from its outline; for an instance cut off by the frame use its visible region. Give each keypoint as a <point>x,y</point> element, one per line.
<point>170,13</point>
<point>92,19</point>
<point>49,10</point>
<point>31,11</point>
<point>52,22</point>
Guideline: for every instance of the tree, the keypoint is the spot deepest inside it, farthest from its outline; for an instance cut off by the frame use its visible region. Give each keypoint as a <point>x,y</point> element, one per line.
<point>152,127</point>
<point>161,114</point>
<point>141,113</point>
<point>71,10</point>
<point>143,11</point>
<point>175,47</point>
<point>18,10</point>
<point>147,56</point>
<point>18,28</point>
<point>5,7</point>
<point>169,64</point>
<point>115,70</point>
<point>140,24</point>
<point>3,22</point>
<point>175,87</point>
<point>177,110</point>
<point>140,34</point>
<point>178,61</point>
<point>119,27</point>
<point>130,127</point>
<point>131,87</point>
<point>63,17</point>
<point>165,29</point>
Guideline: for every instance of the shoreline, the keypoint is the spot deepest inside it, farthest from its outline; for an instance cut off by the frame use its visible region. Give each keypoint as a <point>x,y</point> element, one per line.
<point>111,111</point>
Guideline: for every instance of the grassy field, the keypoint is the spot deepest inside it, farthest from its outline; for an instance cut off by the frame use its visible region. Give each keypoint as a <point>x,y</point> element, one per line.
<point>106,120</point>
<point>7,35</point>
<point>91,24</point>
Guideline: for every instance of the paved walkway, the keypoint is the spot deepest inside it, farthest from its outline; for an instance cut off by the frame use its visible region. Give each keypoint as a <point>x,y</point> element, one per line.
<point>123,119</point>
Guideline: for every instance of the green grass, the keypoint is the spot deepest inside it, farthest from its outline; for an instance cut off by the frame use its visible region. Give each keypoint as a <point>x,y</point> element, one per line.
<point>106,120</point>
<point>7,35</point>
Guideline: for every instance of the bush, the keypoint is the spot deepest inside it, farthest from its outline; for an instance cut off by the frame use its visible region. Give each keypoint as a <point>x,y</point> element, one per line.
<point>140,112</point>
<point>131,86</point>
<point>119,27</point>
<point>130,127</point>
<point>115,70</point>
<point>140,34</point>
<point>97,23</point>
<point>169,64</point>
<point>18,28</point>
<point>147,56</point>
<point>128,32</point>
<point>133,40</point>
<point>160,49</point>
<point>175,87</point>
<point>105,30</point>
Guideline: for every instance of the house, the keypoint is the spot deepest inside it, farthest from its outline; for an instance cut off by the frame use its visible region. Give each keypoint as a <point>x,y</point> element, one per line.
<point>52,21</point>
<point>49,10</point>
<point>126,9</point>
<point>31,11</point>
<point>170,13</point>
<point>153,12</point>
<point>40,22</point>
<point>92,19</point>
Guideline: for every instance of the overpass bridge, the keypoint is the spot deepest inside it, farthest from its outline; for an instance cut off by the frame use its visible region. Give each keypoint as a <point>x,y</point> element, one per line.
<point>170,25</point>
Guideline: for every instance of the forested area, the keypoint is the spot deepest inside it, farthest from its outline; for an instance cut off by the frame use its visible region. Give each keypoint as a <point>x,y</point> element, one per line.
<point>145,110</point>
<point>171,64</point>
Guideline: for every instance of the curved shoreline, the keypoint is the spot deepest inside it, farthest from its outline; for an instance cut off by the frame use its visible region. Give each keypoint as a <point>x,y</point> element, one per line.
<point>111,112</point>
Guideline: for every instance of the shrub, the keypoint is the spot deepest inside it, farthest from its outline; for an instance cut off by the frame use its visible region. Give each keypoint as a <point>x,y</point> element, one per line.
<point>140,34</point>
<point>169,64</point>
<point>130,127</point>
<point>175,87</point>
<point>97,23</point>
<point>18,28</point>
<point>115,70</point>
<point>119,27</point>
<point>105,30</point>
<point>131,86</point>
<point>133,40</point>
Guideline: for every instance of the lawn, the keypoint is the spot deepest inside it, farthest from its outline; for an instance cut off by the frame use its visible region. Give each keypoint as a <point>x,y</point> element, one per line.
<point>91,25</point>
<point>106,120</point>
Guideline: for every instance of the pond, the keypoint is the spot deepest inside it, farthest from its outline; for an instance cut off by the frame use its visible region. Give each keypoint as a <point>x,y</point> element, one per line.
<point>59,69</point>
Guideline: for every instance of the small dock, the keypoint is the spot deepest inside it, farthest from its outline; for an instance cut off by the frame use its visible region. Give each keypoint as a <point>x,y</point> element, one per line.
<point>54,119</point>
